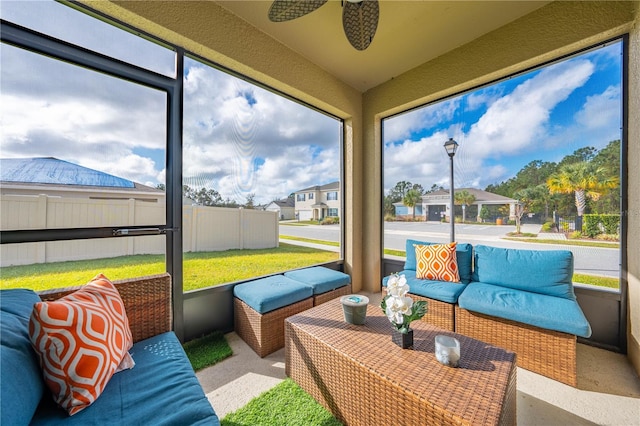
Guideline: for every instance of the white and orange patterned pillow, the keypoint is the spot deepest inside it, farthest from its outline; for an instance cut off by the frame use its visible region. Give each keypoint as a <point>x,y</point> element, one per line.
<point>437,262</point>
<point>82,339</point>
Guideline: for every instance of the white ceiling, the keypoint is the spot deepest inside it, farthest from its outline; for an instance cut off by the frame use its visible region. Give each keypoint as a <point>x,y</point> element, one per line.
<point>409,33</point>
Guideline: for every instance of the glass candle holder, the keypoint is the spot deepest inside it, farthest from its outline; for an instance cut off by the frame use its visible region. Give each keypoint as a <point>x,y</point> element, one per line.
<point>447,351</point>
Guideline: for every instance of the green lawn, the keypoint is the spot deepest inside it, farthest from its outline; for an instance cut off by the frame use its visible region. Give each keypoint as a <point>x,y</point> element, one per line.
<point>207,350</point>
<point>202,269</point>
<point>284,404</point>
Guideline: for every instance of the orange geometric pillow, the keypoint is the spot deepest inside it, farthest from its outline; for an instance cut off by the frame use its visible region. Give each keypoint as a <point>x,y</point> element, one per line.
<point>437,262</point>
<point>82,339</point>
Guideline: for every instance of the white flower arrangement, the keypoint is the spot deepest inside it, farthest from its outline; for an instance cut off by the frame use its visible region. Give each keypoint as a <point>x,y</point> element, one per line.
<point>400,308</point>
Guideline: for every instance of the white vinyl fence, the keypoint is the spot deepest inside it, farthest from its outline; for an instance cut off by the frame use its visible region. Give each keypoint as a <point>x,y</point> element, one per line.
<point>204,228</point>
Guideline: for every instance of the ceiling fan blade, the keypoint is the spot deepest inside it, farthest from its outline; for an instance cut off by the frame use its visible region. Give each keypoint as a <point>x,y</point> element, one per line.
<point>285,10</point>
<point>360,22</point>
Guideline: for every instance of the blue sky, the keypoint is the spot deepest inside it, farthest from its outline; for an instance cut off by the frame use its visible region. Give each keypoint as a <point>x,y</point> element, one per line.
<point>541,115</point>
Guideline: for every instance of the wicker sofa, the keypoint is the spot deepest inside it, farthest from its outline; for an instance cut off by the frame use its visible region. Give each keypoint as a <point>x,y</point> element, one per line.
<point>521,300</point>
<point>440,296</point>
<point>161,389</point>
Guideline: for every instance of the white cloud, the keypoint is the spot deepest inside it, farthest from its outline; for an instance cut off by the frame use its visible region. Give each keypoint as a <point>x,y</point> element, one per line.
<point>403,125</point>
<point>245,140</point>
<point>513,124</point>
<point>601,110</point>
<point>518,121</point>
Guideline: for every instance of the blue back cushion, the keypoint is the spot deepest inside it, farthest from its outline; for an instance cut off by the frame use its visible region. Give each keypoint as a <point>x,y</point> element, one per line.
<point>22,383</point>
<point>538,271</point>
<point>464,256</point>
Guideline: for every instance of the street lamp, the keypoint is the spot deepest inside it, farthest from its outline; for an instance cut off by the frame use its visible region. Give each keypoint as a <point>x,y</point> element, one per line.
<point>451,146</point>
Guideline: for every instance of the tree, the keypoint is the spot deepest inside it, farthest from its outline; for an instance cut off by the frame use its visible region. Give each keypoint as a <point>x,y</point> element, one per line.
<point>608,157</point>
<point>397,194</point>
<point>463,198</point>
<point>484,213</point>
<point>249,203</point>
<point>580,155</point>
<point>411,199</point>
<point>527,198</point>
<point>583,180</point>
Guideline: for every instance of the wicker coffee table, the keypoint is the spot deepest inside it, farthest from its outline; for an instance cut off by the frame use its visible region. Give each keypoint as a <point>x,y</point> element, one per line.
<point>357,373</point>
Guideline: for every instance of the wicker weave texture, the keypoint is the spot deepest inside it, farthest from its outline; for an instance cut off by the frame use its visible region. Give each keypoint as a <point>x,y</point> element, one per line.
<point>546,352</point>
<point>357,373</point>
<point>319,299</point>
<point>147,301</point>
<point>264,333</point>
<point>440,314</point>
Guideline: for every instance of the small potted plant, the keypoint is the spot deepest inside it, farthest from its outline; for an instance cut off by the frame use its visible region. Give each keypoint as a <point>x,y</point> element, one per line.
<point>401,310</point>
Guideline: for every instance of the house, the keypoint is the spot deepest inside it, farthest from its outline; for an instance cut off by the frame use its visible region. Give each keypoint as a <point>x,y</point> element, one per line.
<point>58,178</point>
<point>318,202</point>
<point>435,205</point>
<point>285,208</point>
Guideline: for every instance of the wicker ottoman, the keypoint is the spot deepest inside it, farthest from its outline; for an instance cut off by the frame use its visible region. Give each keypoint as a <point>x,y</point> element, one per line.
<point>261,306</point>
<point>326,283</point>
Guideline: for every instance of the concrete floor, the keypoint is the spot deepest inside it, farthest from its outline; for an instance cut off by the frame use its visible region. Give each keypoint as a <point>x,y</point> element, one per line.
<point>608,391</point>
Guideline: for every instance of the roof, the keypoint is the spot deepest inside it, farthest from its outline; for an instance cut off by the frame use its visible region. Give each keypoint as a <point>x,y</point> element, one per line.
<point>285,202</point>
<point>53,171</point>
<point>327,187</point>
<point>481,196</point>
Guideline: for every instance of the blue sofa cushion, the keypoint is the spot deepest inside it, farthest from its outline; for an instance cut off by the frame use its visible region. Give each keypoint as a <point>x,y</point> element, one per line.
<point>443,291</point>
<point>547,272</point>
<point>464,253</point>
<point>161,389</point>
<point>548,312</point>
<point>319,278</point>
<point>22,383</point>
<point>271,293</point>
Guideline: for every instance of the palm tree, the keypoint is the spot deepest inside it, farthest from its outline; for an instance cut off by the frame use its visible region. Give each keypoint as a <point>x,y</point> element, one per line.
<point>411,198</point>
<point>583,180</point>
<point>463,198</point>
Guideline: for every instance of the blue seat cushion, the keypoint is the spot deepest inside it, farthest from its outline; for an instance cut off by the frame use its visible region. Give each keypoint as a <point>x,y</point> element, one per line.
<point>271,293</point>
<point>20,374</point>
<point>443,291</point>
<point>548,312</point>
<point>464,258</point>
<point>160,389</point>
<point>320,279</point>
<point>547,272</point>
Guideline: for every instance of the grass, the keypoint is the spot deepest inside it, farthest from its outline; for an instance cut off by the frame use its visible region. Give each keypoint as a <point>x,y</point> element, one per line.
<point>565,242</point>
<point>202,269</point>
<point>208,350</point>
<point>284,404</point>
<point>596,280</point>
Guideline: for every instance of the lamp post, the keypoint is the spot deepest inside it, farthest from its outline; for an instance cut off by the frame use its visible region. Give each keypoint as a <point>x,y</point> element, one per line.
<point>451,146</point>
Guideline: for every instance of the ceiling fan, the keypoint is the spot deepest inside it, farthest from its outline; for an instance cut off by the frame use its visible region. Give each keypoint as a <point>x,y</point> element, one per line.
<point>359,17</point>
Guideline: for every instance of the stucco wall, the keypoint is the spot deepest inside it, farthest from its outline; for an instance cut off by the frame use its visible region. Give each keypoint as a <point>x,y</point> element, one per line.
<point>633,235</point>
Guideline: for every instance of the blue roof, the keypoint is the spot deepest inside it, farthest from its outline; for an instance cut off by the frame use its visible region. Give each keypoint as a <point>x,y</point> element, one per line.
<point>53,171</point>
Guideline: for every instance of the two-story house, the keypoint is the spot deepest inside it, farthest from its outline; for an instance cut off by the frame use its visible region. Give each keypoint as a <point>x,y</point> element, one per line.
<point>318,202</point>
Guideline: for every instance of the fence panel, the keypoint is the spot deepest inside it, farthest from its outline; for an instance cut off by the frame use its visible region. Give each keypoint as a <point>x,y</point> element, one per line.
<point>259,229</point>
<point>204,228</point>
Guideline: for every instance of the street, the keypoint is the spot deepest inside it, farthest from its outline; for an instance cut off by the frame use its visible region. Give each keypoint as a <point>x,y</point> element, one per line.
<point>588,260</point>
